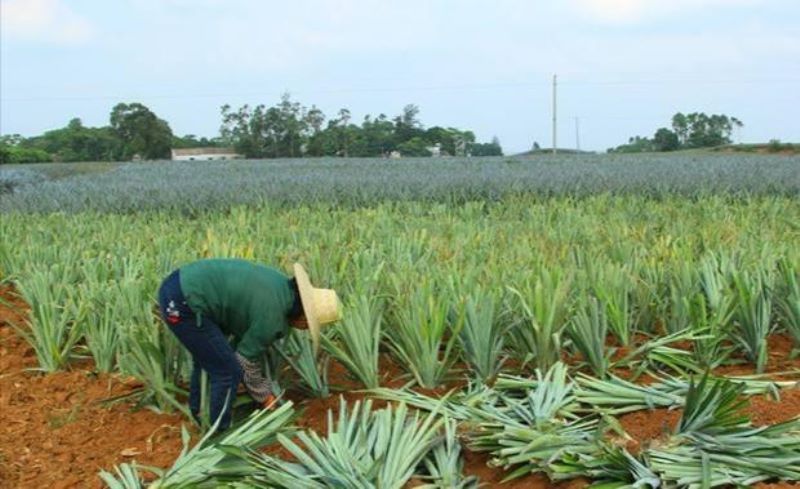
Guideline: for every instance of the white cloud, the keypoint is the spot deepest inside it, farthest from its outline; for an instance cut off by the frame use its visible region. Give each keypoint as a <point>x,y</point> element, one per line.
<point>49,21</point>
<point>632,11</point>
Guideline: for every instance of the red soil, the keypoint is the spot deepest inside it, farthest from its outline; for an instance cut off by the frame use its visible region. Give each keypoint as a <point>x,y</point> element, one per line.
<point>314,411</point>
<point>647,427</point>
<point>779,361</point>
<point>765,411</point>
<point>477,463</point>
<point>56,434</point>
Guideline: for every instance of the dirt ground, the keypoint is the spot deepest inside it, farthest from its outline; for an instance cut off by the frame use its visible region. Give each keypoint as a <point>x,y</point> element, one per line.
<point>55,432</point>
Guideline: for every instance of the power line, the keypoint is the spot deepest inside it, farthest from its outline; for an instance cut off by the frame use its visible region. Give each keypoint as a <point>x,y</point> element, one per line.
<point>412,88</point>
<point>274,92</point>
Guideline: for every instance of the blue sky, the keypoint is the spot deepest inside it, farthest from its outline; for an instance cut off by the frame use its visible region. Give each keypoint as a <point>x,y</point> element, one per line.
<point>624,66</point>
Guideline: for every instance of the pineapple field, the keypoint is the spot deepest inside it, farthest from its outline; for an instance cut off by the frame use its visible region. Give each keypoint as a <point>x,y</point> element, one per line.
<point>572,321</point>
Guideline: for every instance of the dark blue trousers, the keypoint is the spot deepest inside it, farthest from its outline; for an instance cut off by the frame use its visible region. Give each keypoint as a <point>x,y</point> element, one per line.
<point>209,348</point>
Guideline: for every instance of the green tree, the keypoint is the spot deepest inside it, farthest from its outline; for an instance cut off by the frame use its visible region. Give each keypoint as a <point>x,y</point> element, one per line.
<point>636,144</point>
<point>250,131</point>
<point>12,150</point>
<point>407,125</point>
<point>140,131</point>
<point>680,125</point>
<point>280,131</point>
<point>695,130</point>
<point>11,139</point>
<point>487,149</point>
<point>707,131</point>
<point>192,141</point>
<point>415,146</point>
<point>231,130</point>
<point>665,140</point>
<point>8,145</point>
<point>76,142</point>
<point>270,129</point>
<point>378,135</point>
<point>451,140</point>
<point>314,119</point>
<point>699,130</point>
<point>292,127</point>
<point>289,130</point>
<point>341,138</point>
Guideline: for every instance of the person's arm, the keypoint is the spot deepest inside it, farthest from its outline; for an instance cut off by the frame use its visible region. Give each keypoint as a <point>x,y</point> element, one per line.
<point>258,386</point>
<point>250,350</point>
<point>260,335</point>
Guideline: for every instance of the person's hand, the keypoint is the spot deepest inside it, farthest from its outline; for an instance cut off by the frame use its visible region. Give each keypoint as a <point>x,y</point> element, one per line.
<point>270,402</point>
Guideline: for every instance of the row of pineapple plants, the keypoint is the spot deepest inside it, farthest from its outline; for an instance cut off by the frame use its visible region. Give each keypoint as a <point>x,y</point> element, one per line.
<point>431,325</point>
<point>549,424</point>
<point>433,300</point>
<point>202,186</point>
<point>447,291</point>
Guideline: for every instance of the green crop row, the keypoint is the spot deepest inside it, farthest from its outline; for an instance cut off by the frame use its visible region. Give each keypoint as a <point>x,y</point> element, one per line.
<point>482,288</point>
<point>435,285</point>
<point>197,186</point>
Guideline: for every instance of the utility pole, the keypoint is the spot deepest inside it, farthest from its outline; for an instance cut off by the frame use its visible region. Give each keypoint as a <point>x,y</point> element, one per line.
<point>555,82</point>
<point>577,134</point>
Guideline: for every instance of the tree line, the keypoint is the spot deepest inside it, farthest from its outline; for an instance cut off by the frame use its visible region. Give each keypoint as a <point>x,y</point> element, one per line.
<point>689,131</point>
<point>290,129</point>
<point>285,130</point>
<point>133,131</point>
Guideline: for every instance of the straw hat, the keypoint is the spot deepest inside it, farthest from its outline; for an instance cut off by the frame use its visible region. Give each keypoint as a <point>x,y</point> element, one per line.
<point>321,306</point>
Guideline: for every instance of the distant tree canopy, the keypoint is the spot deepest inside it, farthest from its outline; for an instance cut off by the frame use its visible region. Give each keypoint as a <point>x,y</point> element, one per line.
<point>192,141</point>
<point>285,130</point>
<point>76,142</point>
<point>290,129</point>
<point>133,131</point>
<point>12,151</point>
<point>140,132</point>
<point>695,130</point>
<point>488,149</point>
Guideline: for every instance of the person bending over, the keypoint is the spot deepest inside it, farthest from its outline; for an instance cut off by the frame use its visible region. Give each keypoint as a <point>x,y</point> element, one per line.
<point>205,302</point>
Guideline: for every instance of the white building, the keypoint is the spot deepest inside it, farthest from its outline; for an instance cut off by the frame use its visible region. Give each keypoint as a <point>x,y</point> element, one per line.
<point>435,150</point>
<point>200,154</point>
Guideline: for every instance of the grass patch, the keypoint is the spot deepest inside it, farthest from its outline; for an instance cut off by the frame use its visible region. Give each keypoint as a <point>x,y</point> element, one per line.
<point>64,417</point>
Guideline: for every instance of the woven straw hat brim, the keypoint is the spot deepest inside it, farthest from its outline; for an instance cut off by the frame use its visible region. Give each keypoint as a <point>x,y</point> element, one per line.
<point>307,298</point>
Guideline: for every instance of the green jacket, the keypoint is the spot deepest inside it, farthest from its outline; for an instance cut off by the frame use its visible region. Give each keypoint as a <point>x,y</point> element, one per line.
<point>248,301</point>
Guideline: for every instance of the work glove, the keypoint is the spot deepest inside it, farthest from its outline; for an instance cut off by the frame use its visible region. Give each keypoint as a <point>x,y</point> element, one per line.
<point>270,402</point>
<point>258,386</point>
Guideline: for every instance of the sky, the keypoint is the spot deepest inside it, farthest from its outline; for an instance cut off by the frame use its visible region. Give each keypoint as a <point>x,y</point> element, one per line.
<point>624,67</point>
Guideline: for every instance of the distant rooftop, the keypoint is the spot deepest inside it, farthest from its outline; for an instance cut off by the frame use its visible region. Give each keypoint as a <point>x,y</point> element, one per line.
<point>202,151</point>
